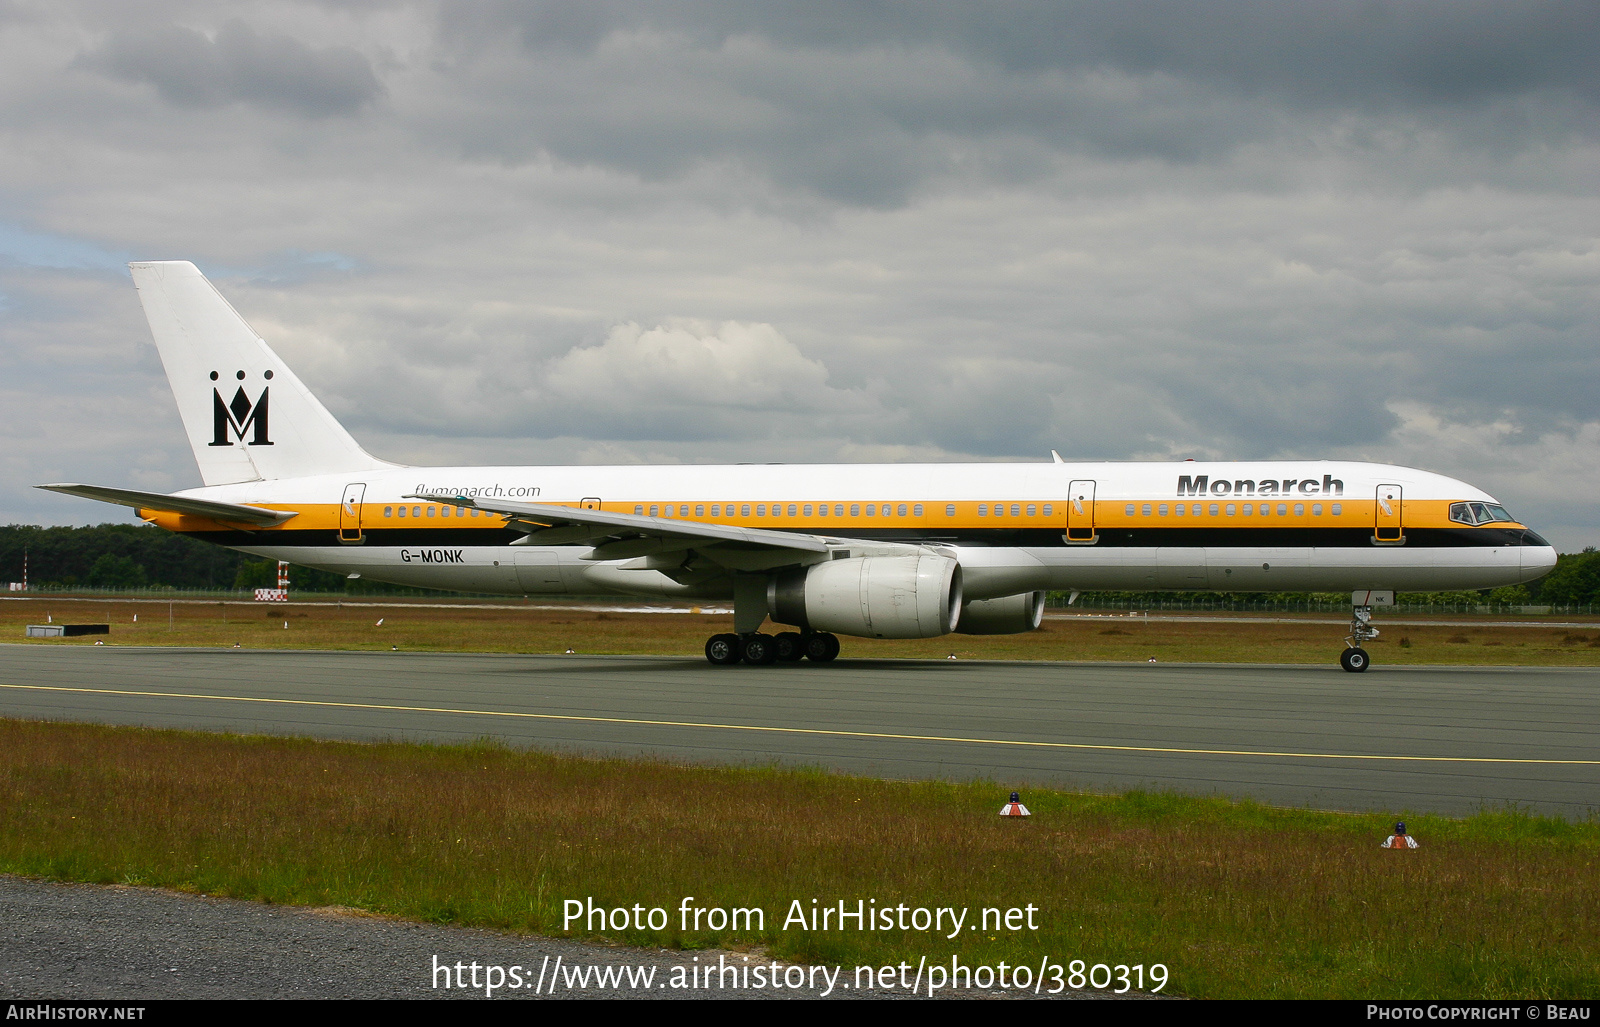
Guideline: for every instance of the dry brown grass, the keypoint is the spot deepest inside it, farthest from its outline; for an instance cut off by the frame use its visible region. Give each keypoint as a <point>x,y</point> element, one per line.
<point>477,628</point>
<point>1237,900</point>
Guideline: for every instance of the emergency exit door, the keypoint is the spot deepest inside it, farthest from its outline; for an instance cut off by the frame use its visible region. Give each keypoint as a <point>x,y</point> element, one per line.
<point>1080,512</point>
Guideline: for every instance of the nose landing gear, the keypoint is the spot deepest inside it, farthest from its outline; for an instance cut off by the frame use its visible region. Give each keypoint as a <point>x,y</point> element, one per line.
<point>1355,659</point>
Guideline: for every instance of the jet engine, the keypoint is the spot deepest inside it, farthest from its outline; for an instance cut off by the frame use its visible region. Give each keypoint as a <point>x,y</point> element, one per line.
<point>1008,615</point>
<point>872,597</point>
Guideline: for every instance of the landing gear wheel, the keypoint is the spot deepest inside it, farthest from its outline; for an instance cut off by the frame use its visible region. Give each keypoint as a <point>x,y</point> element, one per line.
<point>1355,660</point>
<point>759,649</point>
<point>789,646</point>
<point>724,650</point>
<point>821,647</point>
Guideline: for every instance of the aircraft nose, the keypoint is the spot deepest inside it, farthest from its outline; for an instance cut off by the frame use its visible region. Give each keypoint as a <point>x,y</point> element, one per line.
<point>1538,561</point>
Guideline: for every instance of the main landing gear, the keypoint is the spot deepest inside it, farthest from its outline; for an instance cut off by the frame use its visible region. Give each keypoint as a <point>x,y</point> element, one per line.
<point>1354,658</point>
<point>787,647</point>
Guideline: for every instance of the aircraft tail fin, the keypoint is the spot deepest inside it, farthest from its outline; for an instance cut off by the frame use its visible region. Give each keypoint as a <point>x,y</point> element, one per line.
<point>247,416</point>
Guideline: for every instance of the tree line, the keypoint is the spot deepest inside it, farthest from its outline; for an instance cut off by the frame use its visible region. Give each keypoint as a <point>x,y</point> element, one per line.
<point>144,556</point>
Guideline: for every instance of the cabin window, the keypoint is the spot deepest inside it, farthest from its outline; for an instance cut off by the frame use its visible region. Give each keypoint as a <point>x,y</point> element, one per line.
<point>683,511</point>
<point>402,511</point>
<point>1316,509</point>
<point>1162,509</point>
<point>1213,509</point>
<point>1047,510</point>
<point>761,509</point>
<point>638,509</point>
<point>1338,508</point>
<point>699,510</point>
<point>838,509</point>
<point>805,511</point>
<point>1128,510</point>
<point>1299,509</point>
<point>871,509</point>
<point>744,510</point>
<point>822,509</point>
<point>900,511</point>
<point>388,511</point>
<point>916,511</point>
<point>1179,510</point>
<point>1145,509</point>
<point>430,511</point>
<point>949,509</point>
<point>791,509</point>
<point>716,509</point>
<point>1283,510</point>
<point>1230,510</point>
<point>1249,508</point>
<point>855,509</point>
<point>416,511</point>
<point>983,510</point>
<point>655,511</point>
<point>1016,510</point>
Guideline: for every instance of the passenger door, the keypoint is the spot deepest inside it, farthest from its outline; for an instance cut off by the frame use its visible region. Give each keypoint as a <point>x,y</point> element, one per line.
<point>350,514</point>
<point>1388,522</point>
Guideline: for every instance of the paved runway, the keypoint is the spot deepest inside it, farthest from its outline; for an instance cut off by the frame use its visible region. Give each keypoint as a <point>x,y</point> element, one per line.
<point>1446,740</point>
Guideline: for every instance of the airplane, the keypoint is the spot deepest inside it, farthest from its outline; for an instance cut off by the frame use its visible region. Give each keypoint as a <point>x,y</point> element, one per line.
<point>865,550</point>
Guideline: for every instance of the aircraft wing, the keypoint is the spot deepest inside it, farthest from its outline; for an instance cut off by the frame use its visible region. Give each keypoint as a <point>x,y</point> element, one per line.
<point>552,525</point>
<point>175,504</point>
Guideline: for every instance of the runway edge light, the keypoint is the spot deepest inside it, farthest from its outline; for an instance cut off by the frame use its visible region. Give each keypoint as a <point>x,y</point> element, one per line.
<point>1015,808</point>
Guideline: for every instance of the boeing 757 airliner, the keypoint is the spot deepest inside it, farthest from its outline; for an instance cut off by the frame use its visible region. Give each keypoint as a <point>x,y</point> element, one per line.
<point>871,550</point>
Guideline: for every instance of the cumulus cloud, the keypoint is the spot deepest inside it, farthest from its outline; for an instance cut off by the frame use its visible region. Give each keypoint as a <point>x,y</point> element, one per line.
<point>688,372</point>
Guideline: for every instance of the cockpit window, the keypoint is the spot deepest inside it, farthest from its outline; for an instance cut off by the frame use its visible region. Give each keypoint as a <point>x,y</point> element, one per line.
<point>1479,513</point>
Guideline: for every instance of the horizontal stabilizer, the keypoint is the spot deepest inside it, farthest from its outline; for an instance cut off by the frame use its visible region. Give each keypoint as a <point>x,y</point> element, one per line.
<point>175,504</point>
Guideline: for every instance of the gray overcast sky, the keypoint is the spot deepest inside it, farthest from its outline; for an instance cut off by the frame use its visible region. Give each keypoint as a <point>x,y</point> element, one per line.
<point>529,232</point>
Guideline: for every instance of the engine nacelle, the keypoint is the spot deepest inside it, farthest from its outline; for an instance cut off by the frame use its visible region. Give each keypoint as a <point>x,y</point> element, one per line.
<point>1009,615</point>
<point>872,597</point>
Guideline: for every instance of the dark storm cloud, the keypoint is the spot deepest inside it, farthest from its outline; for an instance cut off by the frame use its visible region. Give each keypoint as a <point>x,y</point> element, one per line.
<point>1331,51</point>
<point>861,103</point>
<point>239,65</point>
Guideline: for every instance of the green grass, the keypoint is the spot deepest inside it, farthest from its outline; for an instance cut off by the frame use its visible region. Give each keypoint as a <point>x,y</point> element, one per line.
<point>1236,899</point>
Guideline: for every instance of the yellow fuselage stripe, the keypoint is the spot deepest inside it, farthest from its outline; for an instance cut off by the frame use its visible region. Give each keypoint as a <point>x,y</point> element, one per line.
<point>1107,514</point>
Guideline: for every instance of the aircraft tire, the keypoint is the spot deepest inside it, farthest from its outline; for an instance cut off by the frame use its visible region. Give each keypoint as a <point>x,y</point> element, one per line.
<point>821,647</point>
<point>1355,660</point>
<point>759,649</point>
<point>789,646</point>
<point>724,650</point>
